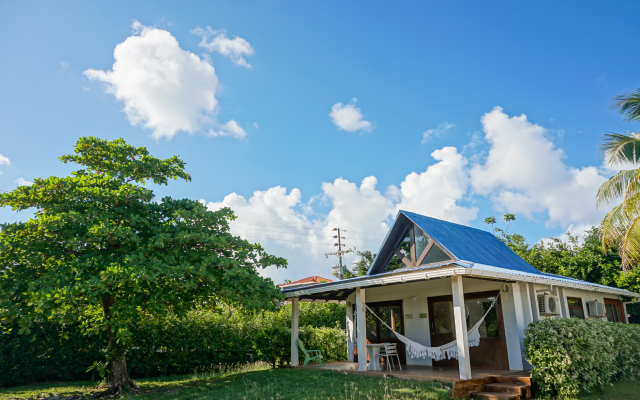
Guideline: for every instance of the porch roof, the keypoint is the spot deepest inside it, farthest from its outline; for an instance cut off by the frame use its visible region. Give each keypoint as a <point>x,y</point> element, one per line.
<point>442,270</point>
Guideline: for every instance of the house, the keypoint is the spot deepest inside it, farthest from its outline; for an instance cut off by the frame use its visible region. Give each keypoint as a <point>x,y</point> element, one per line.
<point>433,279</point>
<point>304,282</point>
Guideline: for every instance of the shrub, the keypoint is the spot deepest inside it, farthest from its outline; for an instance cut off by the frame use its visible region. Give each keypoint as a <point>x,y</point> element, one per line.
<point>571,355</point>
<point>171,345</point>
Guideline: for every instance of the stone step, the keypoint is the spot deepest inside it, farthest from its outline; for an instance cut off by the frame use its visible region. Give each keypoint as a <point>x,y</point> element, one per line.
<point>522,390</point>
<point>495,396</point>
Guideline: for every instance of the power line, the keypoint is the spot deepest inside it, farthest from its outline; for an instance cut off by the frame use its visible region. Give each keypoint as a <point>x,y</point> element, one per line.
<point>286,233</point>
<point>282,226</point>
<point>286,240</point>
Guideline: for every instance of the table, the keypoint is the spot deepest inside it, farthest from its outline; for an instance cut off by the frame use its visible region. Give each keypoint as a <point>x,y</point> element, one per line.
<point>373,349</point>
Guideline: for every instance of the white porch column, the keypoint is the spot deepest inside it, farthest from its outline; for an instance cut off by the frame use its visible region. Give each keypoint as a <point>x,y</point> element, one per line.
<point>295,306</point>
<point>361,326</point>
<point>460,319</point>
<point>520,325</point>
<point>535,312</point>
<point>350,332</point>
<point>564,304</point>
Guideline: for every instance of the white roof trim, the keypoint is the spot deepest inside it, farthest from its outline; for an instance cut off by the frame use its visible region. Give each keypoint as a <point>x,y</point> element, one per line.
<point>477,270</point>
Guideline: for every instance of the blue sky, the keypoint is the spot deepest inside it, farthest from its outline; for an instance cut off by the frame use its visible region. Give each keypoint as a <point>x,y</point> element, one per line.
<point>427,77</point>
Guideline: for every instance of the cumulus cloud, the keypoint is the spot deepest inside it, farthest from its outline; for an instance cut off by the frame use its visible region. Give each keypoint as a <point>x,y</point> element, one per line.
<point>163,87</point>
<point>216,40</point>
<point>525,173</point>
<point>303,234</point>
<point>231,128</point>
<point>348,117</point>
<point>439,131</point>
<point>4,160</point>
<point>437,192</point>
<point>23,182</point>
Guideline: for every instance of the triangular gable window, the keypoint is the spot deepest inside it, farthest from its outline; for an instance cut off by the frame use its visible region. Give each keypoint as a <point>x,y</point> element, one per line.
<point>415,248</point>
<point>435,255</point>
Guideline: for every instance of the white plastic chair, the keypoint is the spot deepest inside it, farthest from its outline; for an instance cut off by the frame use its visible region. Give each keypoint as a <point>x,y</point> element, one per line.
<point>390,350</point>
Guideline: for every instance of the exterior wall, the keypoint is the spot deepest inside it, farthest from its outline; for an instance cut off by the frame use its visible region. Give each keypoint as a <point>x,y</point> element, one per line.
<point>414,298</point>
<point>585,295</point>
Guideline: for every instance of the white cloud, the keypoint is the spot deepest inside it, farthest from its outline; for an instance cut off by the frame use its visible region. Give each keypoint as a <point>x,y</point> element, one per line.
<point>23,182</point>
<point>438,191</point>
<point>4,160</point>
<point>525,173</point>
<point>216,40</point>
<point>362,211</point>
<point>162,86</point>
<point>439,131</point>
<point>64,65</point>
<point>349,118</point>
<point>231,128</point>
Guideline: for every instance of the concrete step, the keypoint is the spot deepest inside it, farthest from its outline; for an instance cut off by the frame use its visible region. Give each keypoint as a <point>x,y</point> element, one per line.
<point>495,396</point>
<point>521,389</point>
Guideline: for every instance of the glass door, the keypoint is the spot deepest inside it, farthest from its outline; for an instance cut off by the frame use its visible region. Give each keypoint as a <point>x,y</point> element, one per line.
<point>391,313</point>
<point>492,352</point>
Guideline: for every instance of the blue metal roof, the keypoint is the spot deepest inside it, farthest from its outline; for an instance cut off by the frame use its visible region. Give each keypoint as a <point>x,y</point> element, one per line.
<point>470,244</point>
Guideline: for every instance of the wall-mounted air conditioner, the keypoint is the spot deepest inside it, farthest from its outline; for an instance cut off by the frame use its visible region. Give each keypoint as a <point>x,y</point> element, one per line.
<point>595,308</point>
<point>548,304</point>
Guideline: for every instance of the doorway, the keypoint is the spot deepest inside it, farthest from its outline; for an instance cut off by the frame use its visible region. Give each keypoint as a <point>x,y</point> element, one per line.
<point>615,311</point>
<point>391,312</point>
<point>492,351</point>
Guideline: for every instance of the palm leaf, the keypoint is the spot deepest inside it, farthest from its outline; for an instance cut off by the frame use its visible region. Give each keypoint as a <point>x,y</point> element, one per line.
<point>623,184</point>
<point>620,148</point>
<point>628,104</point>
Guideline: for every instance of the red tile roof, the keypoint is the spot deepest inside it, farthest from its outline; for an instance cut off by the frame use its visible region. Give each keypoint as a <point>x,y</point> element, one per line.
<point>310,280</point>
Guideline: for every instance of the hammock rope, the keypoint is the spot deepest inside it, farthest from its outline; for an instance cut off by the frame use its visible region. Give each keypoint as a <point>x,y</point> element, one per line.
<point>446,351</point>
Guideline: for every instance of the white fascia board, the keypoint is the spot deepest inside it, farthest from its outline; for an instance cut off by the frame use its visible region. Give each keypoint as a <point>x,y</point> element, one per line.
<point>378,281</point>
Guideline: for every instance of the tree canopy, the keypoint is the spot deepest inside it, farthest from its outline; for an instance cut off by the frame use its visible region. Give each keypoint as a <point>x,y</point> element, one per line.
<point>101,251</point>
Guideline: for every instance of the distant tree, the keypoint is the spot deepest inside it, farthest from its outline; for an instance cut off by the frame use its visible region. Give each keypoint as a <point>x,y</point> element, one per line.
<point>287,281</point>
<point>492,221</point>
<point>361,266</point>
<point>100,251</point>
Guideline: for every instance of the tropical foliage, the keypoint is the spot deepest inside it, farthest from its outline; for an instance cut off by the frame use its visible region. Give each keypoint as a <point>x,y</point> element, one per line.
<point>621,226</point>
<point>572,355</point>
<point>101,252</point>
<point>173,345</point>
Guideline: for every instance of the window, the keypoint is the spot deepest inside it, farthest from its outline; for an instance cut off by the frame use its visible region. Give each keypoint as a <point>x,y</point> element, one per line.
<point>575,307</point>
<point>435,255</point>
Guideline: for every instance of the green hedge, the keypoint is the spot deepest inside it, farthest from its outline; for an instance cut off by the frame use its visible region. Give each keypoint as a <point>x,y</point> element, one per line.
<point>570,356</point>
<point>173,346</point>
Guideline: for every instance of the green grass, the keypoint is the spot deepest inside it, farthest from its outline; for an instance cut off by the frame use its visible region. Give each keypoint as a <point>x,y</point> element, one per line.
<point>258,381</point>
<point>254,382</point>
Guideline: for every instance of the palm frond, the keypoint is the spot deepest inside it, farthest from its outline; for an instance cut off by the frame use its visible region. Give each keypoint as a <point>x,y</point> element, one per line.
<point>618,148</point>
<point>630,246</point>
<point>623,184</point>
<point>628,104</point>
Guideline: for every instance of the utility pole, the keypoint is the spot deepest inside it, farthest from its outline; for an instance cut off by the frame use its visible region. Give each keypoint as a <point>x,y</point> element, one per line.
<point>338,270</point>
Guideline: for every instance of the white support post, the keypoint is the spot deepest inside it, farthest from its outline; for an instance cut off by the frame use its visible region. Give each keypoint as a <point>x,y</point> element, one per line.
<point>361,326</point>
<point>564,304</point>
<point>295,306</point>
<point>520,312</point>
<point>350,332</point>
<point>535,312</point>
<point>461,327</point>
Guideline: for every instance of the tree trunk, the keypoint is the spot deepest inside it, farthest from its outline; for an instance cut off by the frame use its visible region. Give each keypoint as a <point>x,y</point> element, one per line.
<point>116,359</point>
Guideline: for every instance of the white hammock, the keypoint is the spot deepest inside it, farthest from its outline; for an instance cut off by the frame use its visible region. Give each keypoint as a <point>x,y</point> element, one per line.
<point>449,350</point>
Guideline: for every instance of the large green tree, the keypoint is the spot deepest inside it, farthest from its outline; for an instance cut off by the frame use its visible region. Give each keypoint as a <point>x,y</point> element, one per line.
<point>101,251</point>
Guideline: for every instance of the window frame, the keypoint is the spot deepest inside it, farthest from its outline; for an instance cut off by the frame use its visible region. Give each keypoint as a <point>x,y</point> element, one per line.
<point>580,307</point>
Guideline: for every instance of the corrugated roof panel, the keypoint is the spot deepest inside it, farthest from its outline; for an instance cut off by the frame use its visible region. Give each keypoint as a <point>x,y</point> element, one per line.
<point>471,244</point>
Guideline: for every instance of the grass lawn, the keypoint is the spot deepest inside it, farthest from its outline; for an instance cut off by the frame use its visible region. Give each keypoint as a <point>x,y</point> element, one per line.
<point>257,382</point>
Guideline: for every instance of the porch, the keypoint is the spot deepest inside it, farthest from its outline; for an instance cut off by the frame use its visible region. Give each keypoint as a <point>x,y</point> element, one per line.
<point>461,388</point>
